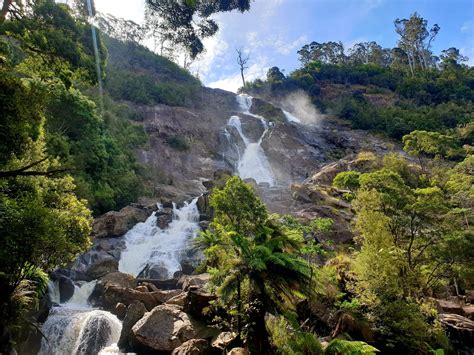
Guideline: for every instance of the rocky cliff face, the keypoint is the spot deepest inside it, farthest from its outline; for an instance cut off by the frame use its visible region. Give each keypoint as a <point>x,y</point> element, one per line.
<point>184,144</point>
<point>188,145</point>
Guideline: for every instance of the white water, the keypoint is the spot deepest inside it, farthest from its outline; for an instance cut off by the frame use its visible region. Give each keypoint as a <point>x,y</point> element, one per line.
<point>290,117</point>
<point>253,163</point>
<point>76,328</point>
<point>148,244</point>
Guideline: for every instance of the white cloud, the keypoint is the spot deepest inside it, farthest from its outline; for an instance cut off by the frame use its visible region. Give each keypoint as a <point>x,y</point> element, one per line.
<point>215,49</point>
<point>467,27</point>
<point>130,10</point>
<point>284,47</point>
<point>234,81</point>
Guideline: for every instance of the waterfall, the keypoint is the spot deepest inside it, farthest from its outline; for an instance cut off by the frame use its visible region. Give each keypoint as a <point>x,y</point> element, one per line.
<point>290,117</point>
<point>148,244</point>
<point>76,328</point>
<point>253,163</point>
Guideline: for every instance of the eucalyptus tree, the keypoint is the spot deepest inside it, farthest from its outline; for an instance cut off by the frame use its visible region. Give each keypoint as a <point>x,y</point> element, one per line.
<point>416,40</point>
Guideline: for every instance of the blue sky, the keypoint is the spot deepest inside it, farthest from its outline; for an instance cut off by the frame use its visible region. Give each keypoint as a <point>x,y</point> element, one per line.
<point>273,30</point>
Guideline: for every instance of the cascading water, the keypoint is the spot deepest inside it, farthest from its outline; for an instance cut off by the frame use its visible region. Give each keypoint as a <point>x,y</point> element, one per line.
<point>147,244</point>
<point>253,163</point>
<point>76,328</point>
<point>290,117</point>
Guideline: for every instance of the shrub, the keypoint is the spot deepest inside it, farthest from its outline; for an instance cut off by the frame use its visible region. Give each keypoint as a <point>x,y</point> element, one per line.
<point>178,143</point>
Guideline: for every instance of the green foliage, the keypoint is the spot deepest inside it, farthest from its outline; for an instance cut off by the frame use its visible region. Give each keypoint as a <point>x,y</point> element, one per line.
<point>289,341</point>
<point>347,180</point>
<point>414,236</point>
<point>247,247</point>
<point>178,143</point>
<point>159,80</point>
<point>99,150</point>
<point>339,346</point>
<point>432,144</point>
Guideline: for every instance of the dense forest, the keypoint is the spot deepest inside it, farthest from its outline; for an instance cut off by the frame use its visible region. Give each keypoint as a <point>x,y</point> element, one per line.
<point>71,106</point>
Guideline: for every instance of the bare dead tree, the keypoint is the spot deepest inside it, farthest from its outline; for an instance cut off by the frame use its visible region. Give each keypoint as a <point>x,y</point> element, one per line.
<point>242,61</point>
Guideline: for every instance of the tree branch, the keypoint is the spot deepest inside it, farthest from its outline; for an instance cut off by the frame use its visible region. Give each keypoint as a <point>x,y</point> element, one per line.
<point>23,171</point>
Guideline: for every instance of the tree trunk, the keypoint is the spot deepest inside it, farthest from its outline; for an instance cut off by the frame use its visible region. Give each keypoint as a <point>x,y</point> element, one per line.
<point>239,310</point>
<point>257,337</point>
<point>242,75</point>
<point>4,11</point>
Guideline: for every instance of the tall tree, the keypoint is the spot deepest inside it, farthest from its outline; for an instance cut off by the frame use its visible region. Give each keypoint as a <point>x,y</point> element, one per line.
<point>188,22</point>
<point>415,40</point>
<point>242,61</point>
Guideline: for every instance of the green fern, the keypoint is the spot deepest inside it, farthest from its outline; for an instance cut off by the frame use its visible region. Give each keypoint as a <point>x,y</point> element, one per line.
<point>345,347</point>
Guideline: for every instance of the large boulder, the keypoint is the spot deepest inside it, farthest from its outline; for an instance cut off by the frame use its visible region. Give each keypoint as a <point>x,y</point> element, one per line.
<point>166,328</point>
<point>192,347</point>
<point>155,272</point>
<point>179,300</point>
<point>224,340</point>
<point>135,311</point>
<point>119,278</point>
<point>108,295</point>
<point>101,264</point>
<point>66,288</point>
<point>164,217</point>
<point>200,280</point>
<point>117,223</point>
<point>197,301</point>
<point>446,306</point>
<point>187,267</point>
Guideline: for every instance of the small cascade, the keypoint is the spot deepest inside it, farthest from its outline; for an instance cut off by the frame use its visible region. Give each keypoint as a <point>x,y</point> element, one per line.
<point>147,244</point>
<point>291,118</point>
<point>53,292</point>
<point>76,328</point>
<point>253,163</point>
<point>82,293</point>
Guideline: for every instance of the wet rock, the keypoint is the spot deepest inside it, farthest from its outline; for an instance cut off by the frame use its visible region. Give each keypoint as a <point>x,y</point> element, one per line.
<point>135,311</point>
<point>66,288</point>
<point>460,329</point>
<point>203,206</point>
<point>164,217</point>
<point>199,280</point>
<point>267,110</point>
<point>166,327</point>
<point>120,310</point>
<point>103,263</point>
<point>187,267</point>
<point>155,272</point>
<point>192,347</point>
<point>117,223</point>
